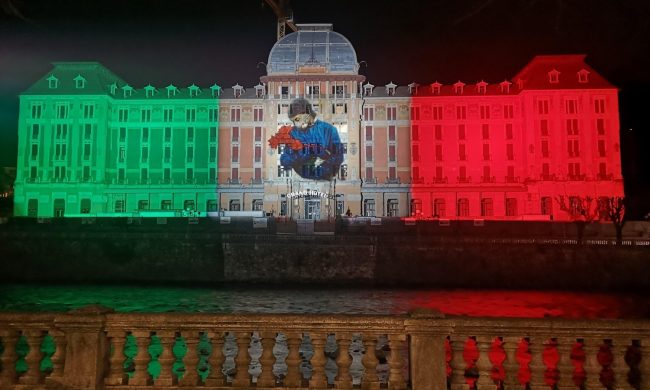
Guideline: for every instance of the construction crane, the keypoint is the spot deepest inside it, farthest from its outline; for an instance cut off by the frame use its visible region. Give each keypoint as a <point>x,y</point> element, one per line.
<point>284,15</point>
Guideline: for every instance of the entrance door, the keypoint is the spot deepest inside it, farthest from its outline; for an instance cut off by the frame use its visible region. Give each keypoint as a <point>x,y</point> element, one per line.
<point>312,208</point>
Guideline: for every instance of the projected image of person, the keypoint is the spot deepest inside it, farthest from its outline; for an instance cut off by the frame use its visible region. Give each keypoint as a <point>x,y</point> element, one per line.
<point>312,147</point>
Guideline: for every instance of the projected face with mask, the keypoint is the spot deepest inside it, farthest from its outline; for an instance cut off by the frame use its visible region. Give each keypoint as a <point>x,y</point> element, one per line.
<point>313,147</point>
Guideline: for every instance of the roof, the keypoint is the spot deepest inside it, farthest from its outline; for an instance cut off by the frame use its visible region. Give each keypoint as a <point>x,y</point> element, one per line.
<point>98,79</point>
<point>535,75</point>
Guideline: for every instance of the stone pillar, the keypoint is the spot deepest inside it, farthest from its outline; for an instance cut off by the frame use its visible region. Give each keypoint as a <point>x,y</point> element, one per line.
<point>8,358</point>
<point>116,375</point>
<point>58,358</point>
<point>370,380</point>
<point>620,368</point>
<point>592,367</point>
<point>343,361</point>
<point>242,360</point>
<point>266,378</point>
<point>33,359</point>
<point>428,362</point>
<point>483,364</point>
<point>86,346</point>
<point>318,379</point>
<point>510,365</point>
<point>457,363</point>
<point>191,359</point>
<point>395,378</point>
<point>565,366</point>
<point>216,360</point>
<point>166,359</point>
<point>537,368</point>
<point>141,360</point>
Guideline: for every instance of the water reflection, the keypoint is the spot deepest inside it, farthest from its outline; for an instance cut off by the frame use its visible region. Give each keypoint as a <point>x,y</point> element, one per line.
<point>531,304</point>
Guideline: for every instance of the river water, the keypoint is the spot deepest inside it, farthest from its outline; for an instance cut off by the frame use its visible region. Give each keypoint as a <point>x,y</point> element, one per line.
<point>384,301</point>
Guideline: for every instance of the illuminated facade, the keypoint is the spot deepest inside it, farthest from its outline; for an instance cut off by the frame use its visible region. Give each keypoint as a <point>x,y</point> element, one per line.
<point>459,151</point>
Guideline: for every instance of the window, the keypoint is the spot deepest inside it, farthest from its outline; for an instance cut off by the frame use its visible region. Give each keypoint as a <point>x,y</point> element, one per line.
<point>601,148</point>
<point>392,174</point>
<point>583,76</point>
<point>143,204</point>
<point>167,154</point>
<point>462,174</point>
<point>391,153</point>
<point>88,132</point>
<point>37,110</point>
<point>121,175</point>
<point>599,106</point>
<point>369,174</point>
<point>145,114</point>
<point>436,112</point>
<point>258,114</point>
<point>461,112</point>
<point>257,205</point>
<point>284,91</point>
<point>391,113</point>
<point>283,109</point>
<point>415,133</point>
<point>168,114</point>
<point>168,134</point>
<point>257,175</point>
<point>190,114</point>
<point>234,175</point>
<point>571,106</point>
<point>438,132</point>
<point>258,134</point>
<point>392,208</point>
<point>510,152</point>
<point>213,154</point>
<point>88,111</point>
<point>190,134</point>
<point>554,76</point>
<point>258,153</point>
<point>542,107</point>
<point>487,207</point>
<point>438,152</point>
<point>85,206</point>
<point>235,154</point>
<point>85,176</point>
<point>52,82</point>
<point>61,132</point>
<point>574,171</point>
<point>415,152</point>
<point>313,90</point>
<point>600,126</point>
<point>461,132</point>
<point>62,111</point>
<point>86,153</point>
<point>572,126</point>
<point>119,206</point>
<point>485,112</point>
<point>213,134</point>
<point>189,175</point>
<point>546,205</point>
<point>369,208</point>
<point>121,157</point>
<point>543,127</point>
<point>439,208</point>
<point>510,174</point>
<point>79,82</point>
<point>546,171</point>
<point>123,114</point>
<point>545,150</point>
<point>166,175</point>
<point>462,154</point>
<point>415,113</point>
<point>511,207</point>
<point>368,152</point>
<point>368,113</point>
<point>508,111</point>
<point>34,153</point>
<point>235,134</point>
<point>166,205</point>
<point>212,205</point>
<point>338,90</point>
<point>234,205</point>
<point>190,154</point>
<point>487,174</point>
<point>602,171</point>
<point>485,130</point>
<point>462,209</point>
<point>339,108</point>
<point>509,131</point>
<point>486,151</point>
<point>343,172</point>
<point>573,147</point>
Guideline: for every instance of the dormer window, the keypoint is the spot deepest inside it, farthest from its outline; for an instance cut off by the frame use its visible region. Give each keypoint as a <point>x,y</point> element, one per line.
<point>505,86</point>
<point>79,82</point>
<point>194,90</point>
<point>458,87</point>
<point>435,88</point>
<point>367,89</point>
<point>171,90</point>
<point>237,91</point>
<point>215,90</point>
<point>52,82</point>
<point>520,83</point>
<point>413,88</point>
<point>113,88</point>
<point>259,90</point>
<point>149,90</point>
<point>554,76</point>
<point>481,86</point>
<point>583,76</point>
<point>127,90</point>
<point>390,88</point>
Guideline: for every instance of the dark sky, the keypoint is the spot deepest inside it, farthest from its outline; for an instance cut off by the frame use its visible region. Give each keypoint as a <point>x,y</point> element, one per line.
<point>207,41</point>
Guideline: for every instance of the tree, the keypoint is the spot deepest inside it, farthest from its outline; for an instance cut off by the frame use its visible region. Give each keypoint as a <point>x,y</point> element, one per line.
<point>581,210</point>
<point>612,208</point>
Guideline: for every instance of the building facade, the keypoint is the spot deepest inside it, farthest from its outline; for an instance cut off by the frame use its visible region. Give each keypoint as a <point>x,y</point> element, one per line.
<point>507,150</point>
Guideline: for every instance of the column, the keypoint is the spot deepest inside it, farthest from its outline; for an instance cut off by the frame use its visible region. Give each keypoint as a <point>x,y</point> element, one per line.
<point>166,358</point>
<point>216,359</point>
<point>343,361</point>
<point>242,360</point>
<point>318,379</point>
<point>395,377</point>
<point>266,378</point>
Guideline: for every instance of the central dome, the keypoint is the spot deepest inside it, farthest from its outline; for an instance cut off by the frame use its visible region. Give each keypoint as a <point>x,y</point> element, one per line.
<point>314,48</point>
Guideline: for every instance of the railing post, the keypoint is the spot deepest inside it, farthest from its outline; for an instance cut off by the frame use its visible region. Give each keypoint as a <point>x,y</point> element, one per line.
<point>565,366</point>
<point>116,375</point>
<point>483,364</point>
<point>190,360</point>
<point>8,359</point>
<point>343,361</point>
<point>370,380</point>
<point>242,360</point>
<point>395,378</point>
<point>33,358</point>
<point>510,365</point>
<point>86,346</point>
<point>427,348</point>
<point>537,368</point>
<point>457,363</point>
<point>58,356</point>
<point>293,378</point>
<point>592,367</point>
<point>141,360</point>
<point>216,359</point>
<point>266,378</point>
<point>318,379</point>
<point>166,358</point>
<point>620,368</point>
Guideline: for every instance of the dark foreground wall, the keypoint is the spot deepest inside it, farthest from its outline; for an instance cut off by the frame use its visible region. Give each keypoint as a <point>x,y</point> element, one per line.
<point>186,255</point>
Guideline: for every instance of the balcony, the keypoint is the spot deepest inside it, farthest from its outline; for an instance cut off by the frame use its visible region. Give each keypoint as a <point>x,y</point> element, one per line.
<point>512,179</point>
<point>423,350</point>
<point>440,180</point>
<point>464,179</point>
<point>488,179</point>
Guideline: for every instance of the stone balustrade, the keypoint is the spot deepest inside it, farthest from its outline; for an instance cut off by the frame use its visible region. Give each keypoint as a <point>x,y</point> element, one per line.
<point>96,348</point>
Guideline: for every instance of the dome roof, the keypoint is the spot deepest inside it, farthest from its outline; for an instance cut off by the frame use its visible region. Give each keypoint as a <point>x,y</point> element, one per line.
<point>313,46</point>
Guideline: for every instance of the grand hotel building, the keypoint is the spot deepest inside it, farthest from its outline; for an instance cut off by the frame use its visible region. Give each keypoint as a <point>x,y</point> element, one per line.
<point>91,144</point>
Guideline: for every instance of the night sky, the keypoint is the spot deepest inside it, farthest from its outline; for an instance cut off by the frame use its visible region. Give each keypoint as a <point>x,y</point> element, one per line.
<point>202,42</point>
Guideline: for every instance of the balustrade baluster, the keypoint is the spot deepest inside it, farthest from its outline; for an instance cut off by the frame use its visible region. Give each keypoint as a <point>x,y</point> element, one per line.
<point>216,359</point>
<point>293,378</point>
<point>166,358</point>
<point>141,360</point>
<point>592,367</point>
<point>370,380</point>
<point>343,361</point>
<point>266,378</point>
<point>510,365</point>
<point>483,364</point>
<point>58,358</point>
<point>116,375</point>
<point>191,359</point>
<point>318,379</point>
<point>242,360</point>
<point>8,359</point>
<point>536,347</point>
<point>395,378</point>
<point>33,358</point>
<point>565,366</point>
<point>458,364</point>
<point>619,348</point>
<point>644,364</point>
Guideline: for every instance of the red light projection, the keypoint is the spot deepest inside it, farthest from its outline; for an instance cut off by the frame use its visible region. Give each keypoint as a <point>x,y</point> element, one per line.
<point>509,150</point>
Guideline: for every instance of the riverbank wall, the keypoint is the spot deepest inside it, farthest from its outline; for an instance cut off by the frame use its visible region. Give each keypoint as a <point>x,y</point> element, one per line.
<point>500,256</point>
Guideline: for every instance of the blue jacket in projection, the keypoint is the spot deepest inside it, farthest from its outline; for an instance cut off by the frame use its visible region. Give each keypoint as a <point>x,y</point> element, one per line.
<point>320,140</point>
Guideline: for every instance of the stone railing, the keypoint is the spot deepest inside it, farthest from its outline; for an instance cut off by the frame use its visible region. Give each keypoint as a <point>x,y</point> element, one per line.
<point>94,348</point>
